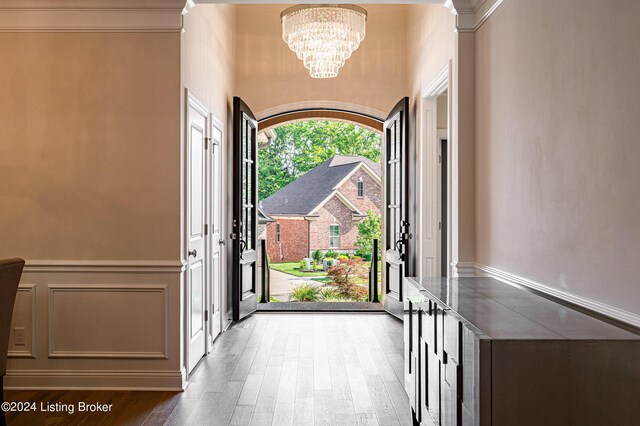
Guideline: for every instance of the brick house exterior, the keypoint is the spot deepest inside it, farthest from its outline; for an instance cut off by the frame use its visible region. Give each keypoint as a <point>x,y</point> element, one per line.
<point>338,192</point>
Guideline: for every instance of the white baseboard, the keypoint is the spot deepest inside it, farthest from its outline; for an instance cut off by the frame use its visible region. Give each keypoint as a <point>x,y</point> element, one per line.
<point>464,269</point>
<point>94,380</point>
<point>601,308</point>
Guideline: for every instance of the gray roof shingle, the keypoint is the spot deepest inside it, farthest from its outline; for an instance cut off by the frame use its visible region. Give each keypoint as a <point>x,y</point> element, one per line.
<point>304,194</point>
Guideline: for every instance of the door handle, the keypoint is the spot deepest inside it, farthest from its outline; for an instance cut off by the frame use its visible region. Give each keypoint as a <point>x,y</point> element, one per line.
<point>193,253</point>
<point>243,246</point>
<point>221,242</point>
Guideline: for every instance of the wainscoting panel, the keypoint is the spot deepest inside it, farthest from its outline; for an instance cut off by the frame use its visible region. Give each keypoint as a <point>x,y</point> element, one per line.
<point>117,321</point>
<point>98,324</point>
<point>23,321</point>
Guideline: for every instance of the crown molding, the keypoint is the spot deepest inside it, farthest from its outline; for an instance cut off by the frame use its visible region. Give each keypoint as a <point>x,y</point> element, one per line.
<point>92,15</point>
<point>471,14</point>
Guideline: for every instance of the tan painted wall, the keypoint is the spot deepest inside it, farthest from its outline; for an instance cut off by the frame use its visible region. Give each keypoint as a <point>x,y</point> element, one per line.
<point>269,75</point>
<point>208,56</point>
<point>88,147</point>
<point>557,146</point>
<point>431,44</point>
<point>90,171</point>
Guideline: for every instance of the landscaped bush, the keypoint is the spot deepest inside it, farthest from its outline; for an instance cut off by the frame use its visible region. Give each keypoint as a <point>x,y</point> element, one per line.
<point>332,254</point>
<point>305,292</point>
<point>333,294</point>
<point>318,256</point>
<point>343,257</point>
<point>303,265</point>
<point>344,278</point>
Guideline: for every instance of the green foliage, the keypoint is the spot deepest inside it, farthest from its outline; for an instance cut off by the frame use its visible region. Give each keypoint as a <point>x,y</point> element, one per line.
<point>302,264</point>
<point>273,299</point>
<point>345,277</point>
<point>332,294</point>
<point>368,230</point>
<point>318,256</point>
<point>332,254</point>
<point>299,147</point>
<point>343,257</point>
<point>305,292</point>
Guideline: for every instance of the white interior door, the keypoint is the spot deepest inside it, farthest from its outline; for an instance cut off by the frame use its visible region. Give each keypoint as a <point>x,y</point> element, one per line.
<point>215,260</point>
<point>196,217</point>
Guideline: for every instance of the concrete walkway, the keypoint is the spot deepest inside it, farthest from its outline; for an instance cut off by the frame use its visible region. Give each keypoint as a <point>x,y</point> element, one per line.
<point>282,283</point>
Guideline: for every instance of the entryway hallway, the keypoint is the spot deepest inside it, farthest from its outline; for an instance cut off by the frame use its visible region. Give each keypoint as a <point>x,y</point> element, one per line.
<point>302,369</point>
<point>270,369</point>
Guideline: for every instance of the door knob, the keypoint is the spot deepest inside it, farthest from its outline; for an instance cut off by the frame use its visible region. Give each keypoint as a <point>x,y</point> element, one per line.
<point>193,253</point>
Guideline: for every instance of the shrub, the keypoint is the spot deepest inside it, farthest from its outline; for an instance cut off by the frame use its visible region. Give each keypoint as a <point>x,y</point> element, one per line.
<point>343,257</point>
<point>344,277</point>
<point>332,294</point>
<point>332,254</point>
<point>302,265</point>
<point>305,292</point>
<point>318,256</point>
<point>273,299</point>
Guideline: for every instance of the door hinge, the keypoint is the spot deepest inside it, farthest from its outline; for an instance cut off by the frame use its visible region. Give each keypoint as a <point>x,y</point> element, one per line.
<point>206,315</point>
<point>206,143</point>
<point>440,159</point>
<point>439,225</point>
<point>206,229</point>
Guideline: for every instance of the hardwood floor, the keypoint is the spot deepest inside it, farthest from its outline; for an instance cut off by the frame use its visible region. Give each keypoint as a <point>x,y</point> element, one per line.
<point>271,369</point>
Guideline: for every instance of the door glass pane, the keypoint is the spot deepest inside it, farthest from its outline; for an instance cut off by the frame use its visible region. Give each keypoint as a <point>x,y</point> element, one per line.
<point>392,142</point>
<point>250,228</point>
<point>397,182</point>
<point>243,137</point>
<point>249,195</point>
<point>397,138</point>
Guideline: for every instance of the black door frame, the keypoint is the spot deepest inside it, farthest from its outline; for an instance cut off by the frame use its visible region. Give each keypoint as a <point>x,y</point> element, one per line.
<point>397,256</point>
<point>244,247</point>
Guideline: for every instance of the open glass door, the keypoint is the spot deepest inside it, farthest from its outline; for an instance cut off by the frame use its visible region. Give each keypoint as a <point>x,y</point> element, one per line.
<point>244,269</point>
<point>396,224</point>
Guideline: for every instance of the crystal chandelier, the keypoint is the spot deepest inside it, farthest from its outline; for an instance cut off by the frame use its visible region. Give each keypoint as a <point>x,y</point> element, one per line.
<point>323,36</point>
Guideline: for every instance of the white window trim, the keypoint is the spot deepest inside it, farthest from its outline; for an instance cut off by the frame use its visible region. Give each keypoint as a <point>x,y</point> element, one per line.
<point>331,246</point>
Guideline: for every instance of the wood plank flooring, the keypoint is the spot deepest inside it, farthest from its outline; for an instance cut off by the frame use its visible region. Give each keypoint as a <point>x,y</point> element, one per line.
<point>271,369</point>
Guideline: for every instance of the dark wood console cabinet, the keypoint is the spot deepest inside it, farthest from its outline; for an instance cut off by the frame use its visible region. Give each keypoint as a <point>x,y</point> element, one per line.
<point>481,352</point>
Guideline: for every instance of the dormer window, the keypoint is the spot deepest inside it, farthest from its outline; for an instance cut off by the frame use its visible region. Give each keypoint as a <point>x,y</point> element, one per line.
<point>361,189</point>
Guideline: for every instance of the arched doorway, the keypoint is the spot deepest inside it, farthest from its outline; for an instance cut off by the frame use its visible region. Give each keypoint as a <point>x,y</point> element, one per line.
<point>333,114</point>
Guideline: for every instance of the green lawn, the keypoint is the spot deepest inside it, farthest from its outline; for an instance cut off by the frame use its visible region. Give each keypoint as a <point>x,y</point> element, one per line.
<point>293,268</point>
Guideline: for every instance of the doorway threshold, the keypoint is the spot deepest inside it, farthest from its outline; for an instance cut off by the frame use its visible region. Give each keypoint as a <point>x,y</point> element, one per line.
<point>320,306</point>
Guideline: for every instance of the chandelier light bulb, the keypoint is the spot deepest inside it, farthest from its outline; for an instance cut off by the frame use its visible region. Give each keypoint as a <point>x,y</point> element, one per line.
<point>323,36</point>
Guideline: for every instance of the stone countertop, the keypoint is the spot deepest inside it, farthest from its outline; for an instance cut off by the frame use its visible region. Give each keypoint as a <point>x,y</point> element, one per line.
<point>501,311</point>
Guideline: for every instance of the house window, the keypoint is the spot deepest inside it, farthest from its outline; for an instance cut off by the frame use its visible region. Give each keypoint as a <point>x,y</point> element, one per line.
<point>334,236</point>
<point>360,189</point>
<point>277,232</point>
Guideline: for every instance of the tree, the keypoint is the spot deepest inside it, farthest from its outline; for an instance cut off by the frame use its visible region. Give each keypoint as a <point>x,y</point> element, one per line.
<point>299,147</point>
<point>344,277</point>
<point>368,230</point>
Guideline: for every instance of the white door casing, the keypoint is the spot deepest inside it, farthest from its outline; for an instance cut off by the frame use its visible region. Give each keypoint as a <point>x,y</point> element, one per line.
<point>215,233</point>
<point>196,178</point>
<point>429,207</point>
